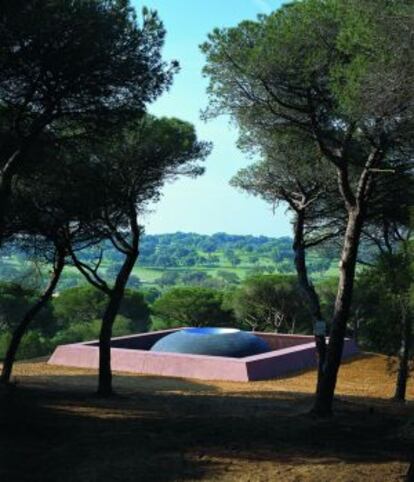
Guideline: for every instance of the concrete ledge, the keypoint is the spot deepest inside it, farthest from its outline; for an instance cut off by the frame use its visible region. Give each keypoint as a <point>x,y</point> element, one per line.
<point>290,354</point>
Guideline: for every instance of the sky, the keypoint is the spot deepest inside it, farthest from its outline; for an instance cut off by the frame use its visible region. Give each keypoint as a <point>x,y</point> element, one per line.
<point>207,204</point>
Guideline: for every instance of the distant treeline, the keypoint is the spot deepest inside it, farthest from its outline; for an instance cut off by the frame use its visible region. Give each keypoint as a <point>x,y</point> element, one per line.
<point>188,251</point>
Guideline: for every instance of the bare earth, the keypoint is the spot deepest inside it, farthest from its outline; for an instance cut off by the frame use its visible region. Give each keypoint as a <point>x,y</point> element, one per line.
<point>53,428</point>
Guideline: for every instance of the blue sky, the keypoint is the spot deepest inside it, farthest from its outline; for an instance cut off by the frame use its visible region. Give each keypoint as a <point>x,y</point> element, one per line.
<point>206,204</point>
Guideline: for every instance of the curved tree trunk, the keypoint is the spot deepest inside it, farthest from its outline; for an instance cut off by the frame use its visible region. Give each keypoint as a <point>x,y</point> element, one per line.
<point>307,287</point>
<point>10,167</point>
<point>29,316</point>
<point>6,177</point>
<point>403,356</point>
<point>115,298</point>
<point>326,388</point>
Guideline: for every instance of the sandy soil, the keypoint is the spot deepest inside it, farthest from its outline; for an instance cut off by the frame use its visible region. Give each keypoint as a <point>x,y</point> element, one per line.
<point>52,428</point>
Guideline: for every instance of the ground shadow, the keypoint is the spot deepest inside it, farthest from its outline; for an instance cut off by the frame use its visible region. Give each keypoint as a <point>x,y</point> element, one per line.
<point>57,435</point>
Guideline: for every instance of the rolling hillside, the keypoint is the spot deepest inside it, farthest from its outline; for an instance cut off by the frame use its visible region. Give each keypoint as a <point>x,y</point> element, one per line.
<point>182,258</point>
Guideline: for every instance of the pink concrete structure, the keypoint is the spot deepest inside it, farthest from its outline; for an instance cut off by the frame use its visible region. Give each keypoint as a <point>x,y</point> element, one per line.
<point>290,354</point>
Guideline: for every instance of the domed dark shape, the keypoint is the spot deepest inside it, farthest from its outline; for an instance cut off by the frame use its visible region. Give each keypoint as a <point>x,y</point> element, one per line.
<point>227,342</point>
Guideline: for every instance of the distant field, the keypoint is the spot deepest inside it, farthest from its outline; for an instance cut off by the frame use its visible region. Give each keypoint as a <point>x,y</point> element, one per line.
<point>149,275</point>
<point>180,253</point>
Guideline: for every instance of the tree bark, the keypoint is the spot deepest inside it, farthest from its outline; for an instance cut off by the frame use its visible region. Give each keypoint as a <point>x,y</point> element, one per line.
<point>29,316</point>
<point>115,298</point>
<point>130,250</point>
<point>5,189</point>
<point>403,356</point>
<point>308,288</point>
<point>6,178</point>
<point>410,474</point>
<point>326,389</point>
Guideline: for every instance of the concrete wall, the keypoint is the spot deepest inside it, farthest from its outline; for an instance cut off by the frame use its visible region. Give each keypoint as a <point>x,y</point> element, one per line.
<point>292,354</point>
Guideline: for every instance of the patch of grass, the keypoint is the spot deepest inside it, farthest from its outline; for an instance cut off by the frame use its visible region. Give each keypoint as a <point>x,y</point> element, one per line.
<point>147,275</point>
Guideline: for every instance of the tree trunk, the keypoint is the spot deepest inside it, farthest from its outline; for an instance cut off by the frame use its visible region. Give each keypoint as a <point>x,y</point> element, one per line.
<point>326,389</point>
<point>111,311</point>
<point>6,178</point>
<point>8,171</point>
<point>410,474</point>
<point>307,287</point>
<point>5,188</point>
<point>355,334</point>
<point>28,318</point>
<point>403,356</point>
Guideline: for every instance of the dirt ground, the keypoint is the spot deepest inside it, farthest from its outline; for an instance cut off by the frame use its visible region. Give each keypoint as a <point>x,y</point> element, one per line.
<point>54,429</point>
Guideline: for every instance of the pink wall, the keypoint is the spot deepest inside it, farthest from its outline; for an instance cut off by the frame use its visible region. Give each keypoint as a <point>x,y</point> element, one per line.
<point>291,353</point>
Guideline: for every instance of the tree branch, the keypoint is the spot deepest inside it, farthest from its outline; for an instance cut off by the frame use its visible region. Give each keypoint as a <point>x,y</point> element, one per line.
<point>89,273</point>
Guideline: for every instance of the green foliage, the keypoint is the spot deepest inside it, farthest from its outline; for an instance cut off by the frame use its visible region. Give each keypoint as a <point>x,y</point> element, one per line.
<point>343,47</point>
<point>74,315</point>
<point>384,295</point>
<point>286,266</point>
<point>15,301</point>
<point>381,292</point>
<point>257,254</point>
<point>327,290</point>
<point>9,271</point>
<point>87,331</point>
<point>168,278</point>
<point>79,304</point>
<point>269,302</point>
<point>192,307</point>
<point>229,277</point>
<point>34,344</point>
<point>135,308</point>
<point>134,282</point>
<point>76,332</point>
<point>5,337</point>
<point>105,68</point>
<point>161,323</point>
<point>194,278</point>
<point>335,77</point>
<point>85,303</point>
<point>150,294</point>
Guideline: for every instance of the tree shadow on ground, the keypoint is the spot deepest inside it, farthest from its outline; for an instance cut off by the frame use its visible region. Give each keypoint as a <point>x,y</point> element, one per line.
<point>57,435</point>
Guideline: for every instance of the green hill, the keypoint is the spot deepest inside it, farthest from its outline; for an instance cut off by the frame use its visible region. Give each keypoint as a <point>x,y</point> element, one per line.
<point>182,258</point>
